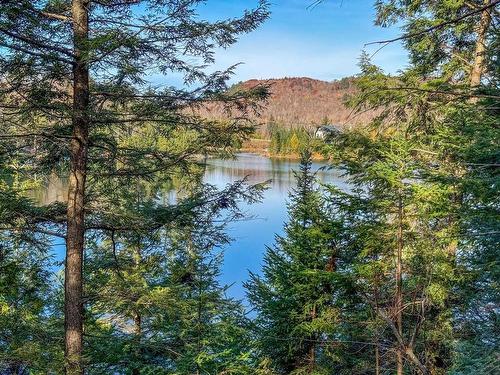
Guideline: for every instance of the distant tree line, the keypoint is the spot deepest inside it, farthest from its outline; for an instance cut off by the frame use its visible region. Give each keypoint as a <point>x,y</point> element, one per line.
<point>297,101</point>
<point>287,141</point>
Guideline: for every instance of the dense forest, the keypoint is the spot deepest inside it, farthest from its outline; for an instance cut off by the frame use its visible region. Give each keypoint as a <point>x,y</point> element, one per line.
<point>298,102</point>
<point>397,275</point>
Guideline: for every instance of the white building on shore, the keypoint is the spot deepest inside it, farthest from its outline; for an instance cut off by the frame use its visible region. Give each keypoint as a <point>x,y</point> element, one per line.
<point>328,131</point>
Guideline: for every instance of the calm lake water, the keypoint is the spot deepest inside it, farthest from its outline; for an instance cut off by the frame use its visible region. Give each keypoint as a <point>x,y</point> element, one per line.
<point>265,219</point>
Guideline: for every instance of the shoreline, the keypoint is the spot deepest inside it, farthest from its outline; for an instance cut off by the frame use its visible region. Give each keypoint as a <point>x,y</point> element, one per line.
<point>261,147</point>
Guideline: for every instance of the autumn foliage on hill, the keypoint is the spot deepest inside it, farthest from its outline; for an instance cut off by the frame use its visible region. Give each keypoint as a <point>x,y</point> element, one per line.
<point>299,102</point>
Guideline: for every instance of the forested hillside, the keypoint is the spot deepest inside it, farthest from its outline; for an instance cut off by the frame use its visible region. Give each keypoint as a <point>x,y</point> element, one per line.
<point>299,102</point>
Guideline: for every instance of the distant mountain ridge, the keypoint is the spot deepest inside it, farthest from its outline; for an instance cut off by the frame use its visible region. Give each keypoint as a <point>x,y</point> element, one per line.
<point>302,101</point>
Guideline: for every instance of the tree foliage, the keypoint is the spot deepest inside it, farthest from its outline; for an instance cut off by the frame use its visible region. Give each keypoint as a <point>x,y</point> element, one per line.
<point>295,297</point>
<point>76,101</point>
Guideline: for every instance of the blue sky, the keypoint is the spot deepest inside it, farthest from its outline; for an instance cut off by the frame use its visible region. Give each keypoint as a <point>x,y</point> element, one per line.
<point>322,42</point>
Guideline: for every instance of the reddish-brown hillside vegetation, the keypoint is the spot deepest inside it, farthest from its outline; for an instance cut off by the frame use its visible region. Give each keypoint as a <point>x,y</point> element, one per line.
<point>302,101</point>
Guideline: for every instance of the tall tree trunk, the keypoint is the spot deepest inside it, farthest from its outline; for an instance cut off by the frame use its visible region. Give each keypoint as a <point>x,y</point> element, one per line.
<point>73,281</point>
<point>377,359</point>
<point>398,306</point>
<point>137,332</point>
<point>312,350</point>
<point>480,50</point>
<point>137,257</point>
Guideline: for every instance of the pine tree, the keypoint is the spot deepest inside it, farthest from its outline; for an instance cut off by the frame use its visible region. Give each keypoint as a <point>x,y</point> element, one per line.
<point>294,143</point>
<point>74,92</point>
<point>294,297</point>
<point>208,330</point>
<point>476,131</point>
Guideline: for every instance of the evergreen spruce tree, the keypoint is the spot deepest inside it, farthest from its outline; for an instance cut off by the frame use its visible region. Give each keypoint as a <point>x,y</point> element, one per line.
<point>295,296</point>
<point>208,330</point>
<point>402,267</point>
<point>477,322</point>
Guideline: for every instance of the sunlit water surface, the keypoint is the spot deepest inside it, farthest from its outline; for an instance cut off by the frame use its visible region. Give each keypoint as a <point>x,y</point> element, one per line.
<point>251,236</point>
<point>264,219</point>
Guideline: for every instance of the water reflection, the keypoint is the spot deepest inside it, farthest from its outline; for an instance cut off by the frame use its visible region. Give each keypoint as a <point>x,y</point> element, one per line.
<point>55,189</point>
<point>250,236</point>
<point>259,169</point>
<point>267,218</point>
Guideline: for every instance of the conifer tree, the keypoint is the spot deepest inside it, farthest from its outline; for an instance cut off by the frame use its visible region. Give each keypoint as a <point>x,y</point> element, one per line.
<point>444,106</point>
<point>209,329</point>
<point>74,91</point>
<point>295,296</point>
<point>403,268</point>
<point>156,305</point>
